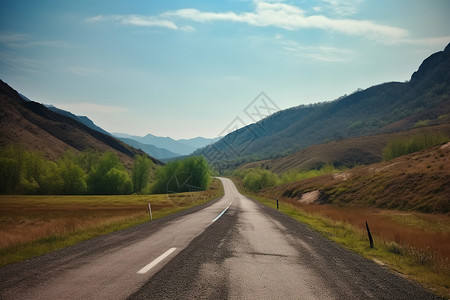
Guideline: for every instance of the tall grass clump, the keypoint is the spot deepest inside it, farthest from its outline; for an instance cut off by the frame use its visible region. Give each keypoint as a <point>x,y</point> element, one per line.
<point>294,175</point>
<point>255,180</point>
<point>406,145</point>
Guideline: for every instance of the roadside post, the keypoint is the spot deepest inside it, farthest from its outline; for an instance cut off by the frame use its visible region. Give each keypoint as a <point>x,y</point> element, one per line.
<point>370,235</point>
<point>277,202</point>
<point>150,211</point>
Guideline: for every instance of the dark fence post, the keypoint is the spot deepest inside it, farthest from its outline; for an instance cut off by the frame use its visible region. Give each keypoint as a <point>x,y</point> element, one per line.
<point>370,235</point>
<point>277,202</point>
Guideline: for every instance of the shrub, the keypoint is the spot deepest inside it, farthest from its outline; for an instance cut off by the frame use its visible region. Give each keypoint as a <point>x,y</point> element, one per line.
<point>258,179</point>
<point>406,145</point>
<point>182,176</point>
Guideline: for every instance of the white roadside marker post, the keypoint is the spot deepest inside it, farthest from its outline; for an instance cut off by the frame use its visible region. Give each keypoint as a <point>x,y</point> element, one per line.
<point>150,211</point>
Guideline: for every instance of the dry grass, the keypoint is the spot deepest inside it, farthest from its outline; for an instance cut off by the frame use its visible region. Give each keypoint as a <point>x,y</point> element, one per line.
<point>424,235</point>
<point>28,219</point>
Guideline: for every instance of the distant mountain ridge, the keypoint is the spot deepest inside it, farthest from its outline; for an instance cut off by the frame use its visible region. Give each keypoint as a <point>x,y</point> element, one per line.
<point>388,107</point>
<point>159,153</point>
<point>180,147</point>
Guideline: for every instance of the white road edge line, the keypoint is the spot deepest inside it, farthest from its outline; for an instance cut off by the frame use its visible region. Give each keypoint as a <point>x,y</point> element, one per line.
<point>156,261</point>
<point>217,218</point>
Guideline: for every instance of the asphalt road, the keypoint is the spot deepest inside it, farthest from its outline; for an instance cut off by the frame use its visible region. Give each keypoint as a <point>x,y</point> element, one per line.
<point>232,248</point>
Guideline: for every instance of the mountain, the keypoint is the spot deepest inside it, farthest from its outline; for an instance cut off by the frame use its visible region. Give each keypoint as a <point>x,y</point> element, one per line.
<point>151,150</point>
<point>83,119</point>
<point>36,127</point>
<point>364,150</point>
<point>182,146</point>
<point>388,107</point>
<point>198,142</point>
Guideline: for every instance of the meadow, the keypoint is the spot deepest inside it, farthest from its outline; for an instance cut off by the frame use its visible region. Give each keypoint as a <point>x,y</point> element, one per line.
<point>31,225</point>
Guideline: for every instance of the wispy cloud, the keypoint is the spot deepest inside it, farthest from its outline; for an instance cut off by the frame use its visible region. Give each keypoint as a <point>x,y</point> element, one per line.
<point>270,14</point>
<point>316,53</point>
<point>19,40</point>
<point>342,8</point>
<point>135,20</point>
<point>19,63</point>
<point>440,41</point>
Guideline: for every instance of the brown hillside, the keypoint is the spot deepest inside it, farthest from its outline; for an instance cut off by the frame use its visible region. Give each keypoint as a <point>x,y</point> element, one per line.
<point>35,127</point>
<point>349,152</point>
<point>418,182</point>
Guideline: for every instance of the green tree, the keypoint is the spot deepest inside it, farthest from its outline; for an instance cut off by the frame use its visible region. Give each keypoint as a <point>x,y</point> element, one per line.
<point>118,182</point>
<point>104,180</point>
<point>11,167</point>
<point>140,174</point>
<point>182,176</point>
<point>73,177</point>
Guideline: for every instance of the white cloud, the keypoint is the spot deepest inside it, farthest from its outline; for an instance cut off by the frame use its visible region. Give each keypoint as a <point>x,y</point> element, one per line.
<point>269,14</point>
<point>18,40</point>
<point>22,64</point>
<point>343,8</point>
<point>316,53</point>
<point>440,41</point>
<point>135,20</point>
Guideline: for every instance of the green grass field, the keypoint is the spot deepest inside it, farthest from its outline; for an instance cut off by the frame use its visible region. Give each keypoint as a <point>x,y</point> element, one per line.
<point>34,225</point>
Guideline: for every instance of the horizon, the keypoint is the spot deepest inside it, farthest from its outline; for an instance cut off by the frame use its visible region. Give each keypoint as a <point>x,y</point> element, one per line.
<point>183,70</point>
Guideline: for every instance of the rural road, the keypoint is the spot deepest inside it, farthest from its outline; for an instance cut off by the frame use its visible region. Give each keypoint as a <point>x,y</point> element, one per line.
<point>232,248</point>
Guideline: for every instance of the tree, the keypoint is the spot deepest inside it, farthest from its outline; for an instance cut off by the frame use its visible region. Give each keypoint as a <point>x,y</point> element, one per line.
<point>182,176</point>
<point>140,174</point>
<point>108,176</point>
<point>118,182</point>
<point>73,177</point>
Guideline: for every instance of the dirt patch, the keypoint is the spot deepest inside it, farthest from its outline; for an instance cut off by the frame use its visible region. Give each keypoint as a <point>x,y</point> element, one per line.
<point>341,176</point>
<point>446,146</point>
<point>311,197</point>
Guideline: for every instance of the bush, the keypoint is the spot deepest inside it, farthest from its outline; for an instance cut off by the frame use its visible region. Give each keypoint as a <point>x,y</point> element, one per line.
<point>406,145</point>
<point>109,176</point>
<point>257,179</point>
<point>185,175</point>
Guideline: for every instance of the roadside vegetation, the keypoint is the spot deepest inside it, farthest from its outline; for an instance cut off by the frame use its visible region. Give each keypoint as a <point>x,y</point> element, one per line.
<point>414,245</point>
<point>31,225</point>
<point>257,179</point>
<point>87,172</point>
<point>48,205</point>
<point>189,174</point>
<point>406,145</point>
<point>94,173</point>
<point>404,201</point>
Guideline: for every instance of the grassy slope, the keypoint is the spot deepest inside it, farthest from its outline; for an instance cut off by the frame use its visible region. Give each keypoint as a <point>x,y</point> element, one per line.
<point>419,181</point>
<point>348,152</point>
<point>34,225</point>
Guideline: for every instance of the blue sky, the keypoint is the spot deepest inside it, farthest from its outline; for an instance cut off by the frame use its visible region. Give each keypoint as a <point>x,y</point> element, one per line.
<point>189,68</point>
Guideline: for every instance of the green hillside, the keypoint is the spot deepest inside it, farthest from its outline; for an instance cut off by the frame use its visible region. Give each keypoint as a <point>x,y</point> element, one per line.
<point>388,107</point>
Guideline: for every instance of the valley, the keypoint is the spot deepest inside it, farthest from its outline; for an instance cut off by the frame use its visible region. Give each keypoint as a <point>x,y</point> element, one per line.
<point>380,155</point>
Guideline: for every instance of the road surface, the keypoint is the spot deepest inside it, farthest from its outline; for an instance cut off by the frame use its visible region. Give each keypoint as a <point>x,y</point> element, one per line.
<point>232,248</point>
